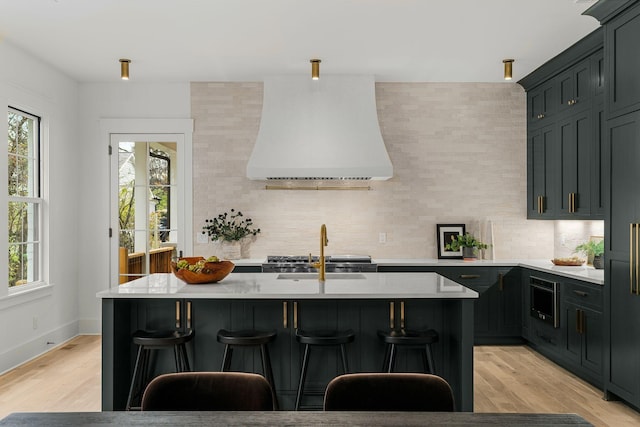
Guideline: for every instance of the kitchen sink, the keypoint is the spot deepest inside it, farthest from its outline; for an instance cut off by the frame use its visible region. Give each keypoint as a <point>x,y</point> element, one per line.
<point>314,276</point>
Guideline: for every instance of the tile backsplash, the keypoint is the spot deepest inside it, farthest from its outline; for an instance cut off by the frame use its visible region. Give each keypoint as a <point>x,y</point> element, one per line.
<point>459,156</point>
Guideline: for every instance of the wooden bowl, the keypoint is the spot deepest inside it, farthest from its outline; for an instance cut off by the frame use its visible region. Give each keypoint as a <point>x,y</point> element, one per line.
<point>211,273</point>
<point>573,262</point>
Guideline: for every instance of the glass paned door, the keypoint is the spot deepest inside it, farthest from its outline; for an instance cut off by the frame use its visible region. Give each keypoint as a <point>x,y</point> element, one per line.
<point>148,216</point>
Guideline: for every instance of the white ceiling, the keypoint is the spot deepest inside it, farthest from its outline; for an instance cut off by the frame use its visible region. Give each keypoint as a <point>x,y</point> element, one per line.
<point>244,40</point>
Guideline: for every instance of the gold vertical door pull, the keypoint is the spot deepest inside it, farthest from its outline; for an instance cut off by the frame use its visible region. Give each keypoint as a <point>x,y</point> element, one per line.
<point>539,204</point>
<point>631,228</point>
<point>295,315</point>
<point>570,204</point>
<point>501,282</point>
<point>392,315</point>
<point>177,314</point>
<point>637,226</point>
<point>401,314</point>
<point>284,315</point>
<point>188,314</point>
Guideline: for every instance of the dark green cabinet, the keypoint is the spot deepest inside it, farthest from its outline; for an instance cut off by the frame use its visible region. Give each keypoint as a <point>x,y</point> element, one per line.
<point>497,313</point>
<point>575,86</point>
<point>622,302</point>
<point>582,307</point>
<point>564,101</point>
<point>542,157</point>
<point>623,62</point>
<point>575,136</point>
<point>541,104</point>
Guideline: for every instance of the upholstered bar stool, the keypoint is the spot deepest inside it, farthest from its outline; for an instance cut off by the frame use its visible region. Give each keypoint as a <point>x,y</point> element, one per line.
<point>250,338</point>
<point>321,338</point>
<point>406,338</point>
<point>148,342</point>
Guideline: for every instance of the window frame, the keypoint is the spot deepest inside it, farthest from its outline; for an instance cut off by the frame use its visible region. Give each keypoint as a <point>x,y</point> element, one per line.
<point>18,99</point>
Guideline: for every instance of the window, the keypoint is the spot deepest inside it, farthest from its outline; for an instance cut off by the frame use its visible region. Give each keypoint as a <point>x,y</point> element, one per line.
<point>24,198</point>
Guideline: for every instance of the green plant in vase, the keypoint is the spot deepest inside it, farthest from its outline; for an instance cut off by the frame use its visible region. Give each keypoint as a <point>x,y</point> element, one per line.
<point>594,250</point>
<point>468,243</point>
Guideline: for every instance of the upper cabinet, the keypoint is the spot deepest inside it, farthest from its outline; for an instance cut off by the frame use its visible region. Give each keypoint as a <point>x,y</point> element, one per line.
<point>564,107</point>
<point>623,65</point>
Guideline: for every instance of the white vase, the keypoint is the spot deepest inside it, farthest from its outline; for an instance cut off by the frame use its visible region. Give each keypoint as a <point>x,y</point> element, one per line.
<point>232,250</point>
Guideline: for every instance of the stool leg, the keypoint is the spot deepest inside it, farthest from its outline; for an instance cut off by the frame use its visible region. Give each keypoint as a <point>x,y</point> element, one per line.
<point>268,373</point>
<point>385,361</point>
<point>392,358</point>
<point>303,374</point>
<point>345,363</point>
<point>432,366</point>
<point>184,359</point>
<point>226,359</point>
<point>177,357</point>
<point>134,378</point>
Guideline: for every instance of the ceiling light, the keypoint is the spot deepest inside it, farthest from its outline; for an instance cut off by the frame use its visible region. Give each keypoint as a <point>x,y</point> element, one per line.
<point>508,68</point>
<point>124,69</point>
<point>315,69</point>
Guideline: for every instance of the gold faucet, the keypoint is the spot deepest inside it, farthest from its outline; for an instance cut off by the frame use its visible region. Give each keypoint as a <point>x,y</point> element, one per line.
<point>320,265</point>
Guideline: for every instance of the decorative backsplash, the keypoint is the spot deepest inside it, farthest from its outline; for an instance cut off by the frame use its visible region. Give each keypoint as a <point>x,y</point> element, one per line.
<point>459,156</point>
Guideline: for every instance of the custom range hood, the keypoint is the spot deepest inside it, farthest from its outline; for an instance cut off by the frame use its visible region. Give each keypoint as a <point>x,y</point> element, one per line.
<point>325,129</point>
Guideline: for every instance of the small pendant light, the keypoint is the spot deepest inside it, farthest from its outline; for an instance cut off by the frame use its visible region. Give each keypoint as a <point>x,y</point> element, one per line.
<point>508,68</point>
<point>315,69</point>
<point>124,69</point>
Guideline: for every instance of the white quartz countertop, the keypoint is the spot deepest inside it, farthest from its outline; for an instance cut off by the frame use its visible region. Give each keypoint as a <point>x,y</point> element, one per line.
<point>297,286</point>
<point>583,272</point>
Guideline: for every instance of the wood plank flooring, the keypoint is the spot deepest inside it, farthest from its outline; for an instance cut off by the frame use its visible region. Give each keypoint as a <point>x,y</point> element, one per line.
<point>507,379</point>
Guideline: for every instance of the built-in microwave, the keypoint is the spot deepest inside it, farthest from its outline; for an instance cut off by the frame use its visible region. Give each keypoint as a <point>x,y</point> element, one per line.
<point>544,300</point>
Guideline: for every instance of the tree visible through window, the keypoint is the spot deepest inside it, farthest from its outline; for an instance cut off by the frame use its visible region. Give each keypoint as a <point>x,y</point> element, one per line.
<point>24,191</point>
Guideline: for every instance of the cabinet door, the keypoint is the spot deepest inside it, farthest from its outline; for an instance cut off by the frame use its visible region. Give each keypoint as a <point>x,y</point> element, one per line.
<point>542,104</point>
<point>597,167</point>
<point>592,341</point>
<point>575,86</point>
<point>571,314</point>
<point>622,305</point>
<point>575,139</point>
<point>542,159</point>
<point>509,310</point>
<point>209,316</point>
<point>623,62</point>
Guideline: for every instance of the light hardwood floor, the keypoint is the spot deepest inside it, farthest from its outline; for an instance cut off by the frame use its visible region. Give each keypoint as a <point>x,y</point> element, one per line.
<point>507,379</point>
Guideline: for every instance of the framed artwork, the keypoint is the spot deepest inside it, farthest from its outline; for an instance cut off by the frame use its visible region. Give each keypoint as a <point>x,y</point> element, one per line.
<point>445,233</point>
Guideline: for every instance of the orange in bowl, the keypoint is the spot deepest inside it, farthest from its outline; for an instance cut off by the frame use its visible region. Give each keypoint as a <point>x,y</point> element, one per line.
<point>211,272</point>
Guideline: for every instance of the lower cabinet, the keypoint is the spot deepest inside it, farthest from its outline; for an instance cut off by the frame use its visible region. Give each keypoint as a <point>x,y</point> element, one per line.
<point>577,343</point>
<point>498,309</point>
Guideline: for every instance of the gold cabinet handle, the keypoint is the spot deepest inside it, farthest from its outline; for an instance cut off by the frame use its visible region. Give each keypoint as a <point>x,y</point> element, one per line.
<point>469,276</point>
<point>401,314</point>
<point>501,282</point>
<point>188,314</point>
<point>540,204</point>
<point>540,116</point>
<point>392,315</point>
<point>177,314</point>
<point>637,227</point>
<point>285,323</point>
<point>295,315</point>
<point>631,227</point>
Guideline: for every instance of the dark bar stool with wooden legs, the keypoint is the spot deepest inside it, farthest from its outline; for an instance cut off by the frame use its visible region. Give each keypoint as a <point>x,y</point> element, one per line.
<point>322,338</point>
<point>148,342</point>
<point>408,339</point>
<point>250,338</point>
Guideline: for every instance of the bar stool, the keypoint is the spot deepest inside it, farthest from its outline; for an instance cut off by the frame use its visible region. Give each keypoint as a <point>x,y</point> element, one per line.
<point>250,338</point>
<point>407,338</point>
<point>321,338</point>
<point>147,342</point>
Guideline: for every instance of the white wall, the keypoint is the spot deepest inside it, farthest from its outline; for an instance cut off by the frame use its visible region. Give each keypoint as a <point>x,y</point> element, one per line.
<point>120,100</point>
<point>28,323</point>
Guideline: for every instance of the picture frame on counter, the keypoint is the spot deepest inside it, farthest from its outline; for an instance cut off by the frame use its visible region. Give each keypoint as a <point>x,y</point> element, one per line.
<point>444,234</point>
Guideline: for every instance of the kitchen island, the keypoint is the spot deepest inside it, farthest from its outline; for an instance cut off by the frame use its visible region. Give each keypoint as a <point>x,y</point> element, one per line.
<point>364,302</point>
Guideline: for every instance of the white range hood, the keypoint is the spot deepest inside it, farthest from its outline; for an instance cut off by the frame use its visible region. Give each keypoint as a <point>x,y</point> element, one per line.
<point>320,130</point>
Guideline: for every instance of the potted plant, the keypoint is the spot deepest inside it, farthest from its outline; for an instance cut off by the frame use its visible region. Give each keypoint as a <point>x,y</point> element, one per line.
<point>594,250</point>
<point>469,245</point>
<point>230,227</point>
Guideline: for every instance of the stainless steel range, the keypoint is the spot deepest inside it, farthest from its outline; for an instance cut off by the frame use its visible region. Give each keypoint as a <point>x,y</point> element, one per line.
<point>333,263</point>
